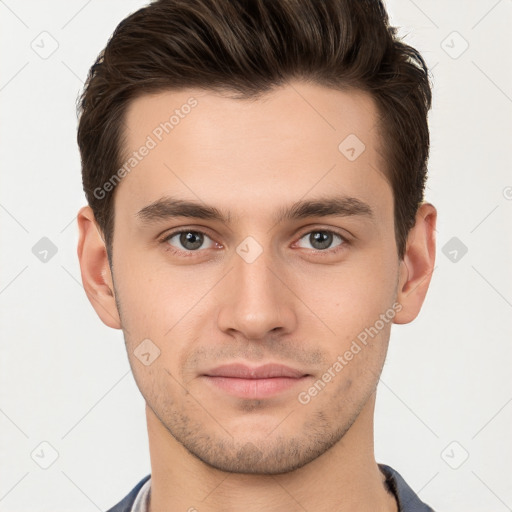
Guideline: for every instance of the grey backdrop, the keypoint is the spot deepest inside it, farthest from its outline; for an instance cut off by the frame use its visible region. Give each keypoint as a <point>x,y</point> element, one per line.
<point>73,433</point>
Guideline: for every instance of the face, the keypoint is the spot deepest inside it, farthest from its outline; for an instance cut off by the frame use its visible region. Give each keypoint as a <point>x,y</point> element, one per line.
<point>266,311</point>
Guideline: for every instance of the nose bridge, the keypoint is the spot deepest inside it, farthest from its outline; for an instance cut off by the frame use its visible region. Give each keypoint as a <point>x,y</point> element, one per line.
<point>254,272</point>
<point>257,301</point>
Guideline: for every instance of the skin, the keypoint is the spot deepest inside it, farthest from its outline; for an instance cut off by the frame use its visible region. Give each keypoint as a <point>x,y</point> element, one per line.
<point>295,304</point>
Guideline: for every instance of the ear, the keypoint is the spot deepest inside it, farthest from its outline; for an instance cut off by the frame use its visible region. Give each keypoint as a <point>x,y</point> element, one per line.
<point>95,269</point>
<point>417,265</point>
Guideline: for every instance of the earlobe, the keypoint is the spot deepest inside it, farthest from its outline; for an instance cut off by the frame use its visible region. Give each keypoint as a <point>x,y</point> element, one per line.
<point>418,264</point>
<point>95,269</point>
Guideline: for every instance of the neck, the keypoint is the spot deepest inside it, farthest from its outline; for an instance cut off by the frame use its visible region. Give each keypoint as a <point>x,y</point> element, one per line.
<point>345,477</point>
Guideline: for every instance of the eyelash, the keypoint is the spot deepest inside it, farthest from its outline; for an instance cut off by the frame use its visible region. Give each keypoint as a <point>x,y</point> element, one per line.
<point>187,254</point>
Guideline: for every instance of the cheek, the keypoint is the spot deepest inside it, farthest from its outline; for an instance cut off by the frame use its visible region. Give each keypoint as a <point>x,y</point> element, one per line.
<point>150,298</point>
<point>352,295</point>
<point>161,306</point>
<point>355,305</point>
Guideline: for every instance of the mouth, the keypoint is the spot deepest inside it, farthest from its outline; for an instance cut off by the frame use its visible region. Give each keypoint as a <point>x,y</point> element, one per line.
<point>254,382</point>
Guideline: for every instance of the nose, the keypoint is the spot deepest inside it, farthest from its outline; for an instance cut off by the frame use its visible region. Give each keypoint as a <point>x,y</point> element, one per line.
<point>257,298</point>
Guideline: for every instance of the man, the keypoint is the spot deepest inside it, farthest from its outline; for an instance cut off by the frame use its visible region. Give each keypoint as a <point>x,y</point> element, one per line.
<point>255,172</point>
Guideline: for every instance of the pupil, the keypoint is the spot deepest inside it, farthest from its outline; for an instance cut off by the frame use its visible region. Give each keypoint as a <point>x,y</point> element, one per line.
<point>191,240</point>
<point>322,239</point>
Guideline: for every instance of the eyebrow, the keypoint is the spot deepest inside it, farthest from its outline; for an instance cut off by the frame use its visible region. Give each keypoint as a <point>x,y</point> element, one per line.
<point>170,207</point>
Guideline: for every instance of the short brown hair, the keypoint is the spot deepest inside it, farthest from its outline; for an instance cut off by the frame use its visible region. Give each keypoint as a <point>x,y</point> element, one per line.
<point>250,47</point>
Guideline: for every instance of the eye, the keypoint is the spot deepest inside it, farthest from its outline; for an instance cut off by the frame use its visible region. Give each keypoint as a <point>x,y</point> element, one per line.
<point>322,239</point>
<point>188,240</point>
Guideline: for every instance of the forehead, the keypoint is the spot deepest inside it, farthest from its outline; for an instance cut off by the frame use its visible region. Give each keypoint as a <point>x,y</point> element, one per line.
<point>298,139</point>
<point>297,110</point>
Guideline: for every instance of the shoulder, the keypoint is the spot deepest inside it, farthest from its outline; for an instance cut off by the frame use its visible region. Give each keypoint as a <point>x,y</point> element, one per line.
<point>126,504</point>
<point>408,500</point>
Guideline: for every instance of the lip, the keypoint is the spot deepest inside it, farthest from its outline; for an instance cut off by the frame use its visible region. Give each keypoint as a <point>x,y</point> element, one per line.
<point>266,371</point>
<point>254,382</point>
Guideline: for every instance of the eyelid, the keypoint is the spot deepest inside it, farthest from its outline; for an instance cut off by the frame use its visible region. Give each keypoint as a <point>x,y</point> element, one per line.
<point>307,230</point>
<point>342,233</point>
<point>174,231</point>
<point>345,241</point>
<point>165,239</point>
